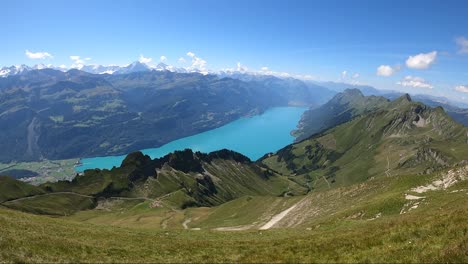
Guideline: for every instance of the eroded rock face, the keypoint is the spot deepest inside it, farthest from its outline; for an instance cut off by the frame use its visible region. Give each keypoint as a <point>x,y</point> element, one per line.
<point>444,181</point>
<point>433,158</point>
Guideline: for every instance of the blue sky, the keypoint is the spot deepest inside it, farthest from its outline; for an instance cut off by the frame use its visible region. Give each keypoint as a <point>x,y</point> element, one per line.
<point>329,40</point>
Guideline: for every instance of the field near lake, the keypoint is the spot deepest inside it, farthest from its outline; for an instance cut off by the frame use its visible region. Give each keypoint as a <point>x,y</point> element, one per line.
<point>40,171</point>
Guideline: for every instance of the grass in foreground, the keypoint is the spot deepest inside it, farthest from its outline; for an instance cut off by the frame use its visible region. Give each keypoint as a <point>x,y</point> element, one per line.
<point>436,236</point>
<point>130,231</point>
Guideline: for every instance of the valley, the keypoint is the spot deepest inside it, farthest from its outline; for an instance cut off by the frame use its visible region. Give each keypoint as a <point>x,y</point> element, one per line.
<point>374,184</point>
<point>55,115</point>
<point>252,136</point>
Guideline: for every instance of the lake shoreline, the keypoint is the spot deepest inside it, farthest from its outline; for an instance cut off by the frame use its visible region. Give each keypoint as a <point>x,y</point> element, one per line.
<point>266,132</point>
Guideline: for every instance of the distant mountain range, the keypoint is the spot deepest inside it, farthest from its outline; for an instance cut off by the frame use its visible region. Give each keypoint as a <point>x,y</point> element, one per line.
<point>108,110</point>
<point>240,73</point>
<point>93,68</point>
<point>53,114</point>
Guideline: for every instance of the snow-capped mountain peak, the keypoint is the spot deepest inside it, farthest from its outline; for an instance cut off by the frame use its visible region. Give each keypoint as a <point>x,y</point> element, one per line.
<point>14,70</point>
<point>136,66</point>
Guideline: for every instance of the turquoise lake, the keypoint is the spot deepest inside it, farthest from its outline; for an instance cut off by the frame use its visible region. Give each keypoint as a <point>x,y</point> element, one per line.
<point>252,136</point>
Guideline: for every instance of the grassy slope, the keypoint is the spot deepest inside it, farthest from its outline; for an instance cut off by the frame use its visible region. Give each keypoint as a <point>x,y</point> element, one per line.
<point>340,109</point>
<point>342,232</point>
<point>248,212</point>
<point>12,189</point>
<point>52,203</point>
<point>219,180</point>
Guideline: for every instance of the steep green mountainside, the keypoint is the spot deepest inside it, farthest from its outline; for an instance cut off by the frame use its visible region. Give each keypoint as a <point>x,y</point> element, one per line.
<point>340,109</point>
<point>455,109</point>
<point>400,138</point>
<point>49,114</point>
<point>187,179</point>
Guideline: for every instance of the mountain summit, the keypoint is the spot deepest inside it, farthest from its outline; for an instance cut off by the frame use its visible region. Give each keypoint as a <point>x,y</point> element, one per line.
<point>341,108</point>
<point>374,137</point>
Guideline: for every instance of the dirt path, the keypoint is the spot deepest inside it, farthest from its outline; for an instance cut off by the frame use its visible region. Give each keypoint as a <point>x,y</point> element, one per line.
<point>387,172</point>
<point>277,218</point>
<point>78,194</point>
<point>34,196</point>
<point>132,198</point>
<point>328,183</point>
<point>233,228</point>
<point>184,224</point>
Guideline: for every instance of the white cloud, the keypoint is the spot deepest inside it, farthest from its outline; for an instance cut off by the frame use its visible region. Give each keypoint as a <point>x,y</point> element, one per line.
<point>77,62</point>
<point>241,68</point>
<point>181,60</point>
<point>265,71</point>
<point>198,64</point>
<point>163,58</point>
<point>37,55</point>
<point>344,74</point>
<point>387,70</point>
<point>87,59</point>
<point>462,43</point>
<point>290,75</point>
<point>422,60</point>
<point>306,77</point>
<point>462,88</point>
<point>350,78</point>
<point>416,82</point>
<point>142,59</point>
